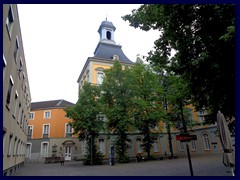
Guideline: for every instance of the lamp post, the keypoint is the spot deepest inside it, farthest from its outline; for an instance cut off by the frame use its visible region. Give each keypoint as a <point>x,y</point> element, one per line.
<point>90,136</point>
<point>185,132</point>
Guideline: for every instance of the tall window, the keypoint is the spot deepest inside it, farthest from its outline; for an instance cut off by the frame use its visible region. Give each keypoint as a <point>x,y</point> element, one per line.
<point>102,146</point>
<point>201,116</point>
<point>108,35</point>
<point>9,21</point>
<point>139,143</point>
<point>47,114</point>
<point>31,115</point>
<point>68,130</point>
<point>16,104</point>
<point>30,132</point>
<point>4,66</point>
<point>181,146</point>
<point>206,141</point>
<point>10,145</point>
<point>155,145</point>
<point>20,68</point>
<point>9,93</point>
<point>28,150</point>
<point>15,53</point>
<point>99,77</point>
<point>15,147</point>
<point>193,143</point>
<point>46,128</point>
<point>44,149</point>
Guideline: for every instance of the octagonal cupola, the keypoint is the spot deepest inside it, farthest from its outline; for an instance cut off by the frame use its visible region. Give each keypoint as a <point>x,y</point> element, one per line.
<point>106,31</point>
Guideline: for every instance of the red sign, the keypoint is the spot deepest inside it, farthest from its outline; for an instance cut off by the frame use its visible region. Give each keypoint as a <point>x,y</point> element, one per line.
<point>186,137</point>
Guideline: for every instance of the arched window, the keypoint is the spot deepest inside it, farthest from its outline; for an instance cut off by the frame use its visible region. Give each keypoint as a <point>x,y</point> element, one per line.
<point>108,35</point>
<point>206,141</point>
<point>138,144</point>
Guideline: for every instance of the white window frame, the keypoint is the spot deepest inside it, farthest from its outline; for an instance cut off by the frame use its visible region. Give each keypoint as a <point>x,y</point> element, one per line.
<point>67,128</point>
<point>16,104</point>
<point>43,130</point>
<point>138,145</point>
<point>102,146</point>
<point>10,22</point>
<point>30,127</point>
<point>100,76</point>
<point>155,145</point>
<point>44,152</point>
<point>9,92</point>
<point>181,145</point>
<point>18,147</point>
<point>4,66</point>
<point>15,147</point>
<point>193,145</point>
<point>46,116</point>
<point>28,151</point>
<point>31,115</point>
<point>206,141</point>
<point>10,145</point>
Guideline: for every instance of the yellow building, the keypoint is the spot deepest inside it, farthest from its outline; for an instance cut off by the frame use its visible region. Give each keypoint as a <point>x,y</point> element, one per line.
<point>104,55</point>
<point>16,92</point>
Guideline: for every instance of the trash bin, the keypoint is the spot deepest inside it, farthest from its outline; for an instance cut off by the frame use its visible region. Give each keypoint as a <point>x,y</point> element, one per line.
<point>111,155</point>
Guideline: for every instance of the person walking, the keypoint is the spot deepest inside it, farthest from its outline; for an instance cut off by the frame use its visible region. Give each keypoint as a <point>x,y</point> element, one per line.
<point>62,160</point>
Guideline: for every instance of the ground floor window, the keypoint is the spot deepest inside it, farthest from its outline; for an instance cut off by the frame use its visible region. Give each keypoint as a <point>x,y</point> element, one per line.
<point>139,145</point>
<point>206,141</point>
<point>44,149</point>
<point>28,150</point>
<point>102,146</point>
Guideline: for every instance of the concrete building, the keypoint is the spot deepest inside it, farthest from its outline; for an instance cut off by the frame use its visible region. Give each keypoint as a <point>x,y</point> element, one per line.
<point>16,92</point>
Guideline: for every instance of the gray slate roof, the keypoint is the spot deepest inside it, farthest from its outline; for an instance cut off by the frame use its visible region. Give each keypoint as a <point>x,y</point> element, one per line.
<point>107,50</point>
<point>50,104</point>
<point>106,24</point>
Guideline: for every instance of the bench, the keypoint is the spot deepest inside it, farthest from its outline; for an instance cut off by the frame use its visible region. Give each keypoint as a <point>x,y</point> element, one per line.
<point>52,159</point>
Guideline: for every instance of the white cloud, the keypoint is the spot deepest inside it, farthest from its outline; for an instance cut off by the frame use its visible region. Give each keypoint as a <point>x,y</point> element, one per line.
<point>58,39</point>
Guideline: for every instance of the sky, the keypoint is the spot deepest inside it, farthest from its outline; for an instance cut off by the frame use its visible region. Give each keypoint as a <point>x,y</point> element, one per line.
<point>58,39</point>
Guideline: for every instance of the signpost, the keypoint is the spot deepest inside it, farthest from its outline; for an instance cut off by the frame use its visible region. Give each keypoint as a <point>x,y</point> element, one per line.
<point>185,137</point>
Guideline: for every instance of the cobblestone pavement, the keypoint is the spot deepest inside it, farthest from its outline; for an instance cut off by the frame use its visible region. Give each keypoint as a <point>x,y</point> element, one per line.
<point>208,165</point>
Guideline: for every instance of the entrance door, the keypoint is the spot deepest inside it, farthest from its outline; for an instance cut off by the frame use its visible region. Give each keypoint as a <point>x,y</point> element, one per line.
<point>68,153</point>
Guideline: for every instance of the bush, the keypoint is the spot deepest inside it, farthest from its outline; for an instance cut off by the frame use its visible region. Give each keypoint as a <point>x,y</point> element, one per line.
<point>123,159</point>
<point>97,159</point>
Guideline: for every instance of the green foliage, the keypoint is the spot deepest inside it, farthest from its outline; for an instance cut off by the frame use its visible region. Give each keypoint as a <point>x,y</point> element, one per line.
<point>116,99</point>
<point>203,37</point>
<point>147,108</point>
<point>84,115</point>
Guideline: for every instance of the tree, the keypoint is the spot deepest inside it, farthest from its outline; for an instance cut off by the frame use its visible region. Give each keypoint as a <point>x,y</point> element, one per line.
<point>116,99</point>
<point>203,37</point>
<point>85,122</point>
<point>147,108</point>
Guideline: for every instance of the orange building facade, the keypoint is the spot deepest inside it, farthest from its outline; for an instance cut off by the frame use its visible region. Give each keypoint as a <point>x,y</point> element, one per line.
<point>49,132</point>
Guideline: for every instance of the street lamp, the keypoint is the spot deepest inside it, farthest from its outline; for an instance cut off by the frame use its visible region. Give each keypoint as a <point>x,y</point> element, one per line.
<point>90,136</point>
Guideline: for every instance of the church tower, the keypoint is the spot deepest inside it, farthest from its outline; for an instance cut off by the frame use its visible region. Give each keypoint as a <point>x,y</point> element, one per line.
<point>106,52</point>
